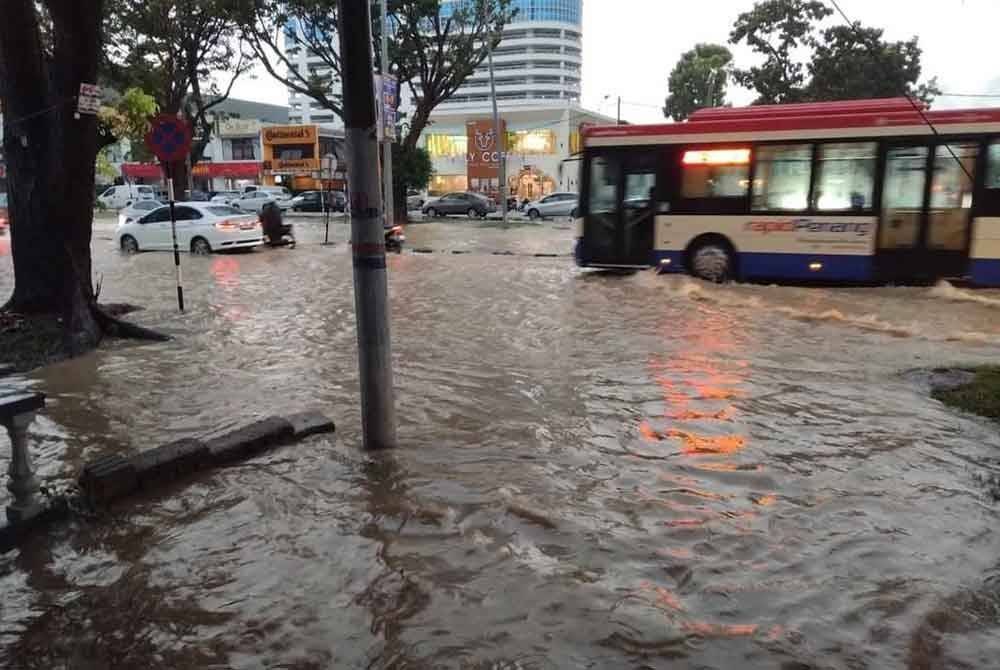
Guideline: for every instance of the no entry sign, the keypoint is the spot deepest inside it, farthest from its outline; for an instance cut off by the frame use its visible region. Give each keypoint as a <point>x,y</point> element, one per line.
<point>169,138</point>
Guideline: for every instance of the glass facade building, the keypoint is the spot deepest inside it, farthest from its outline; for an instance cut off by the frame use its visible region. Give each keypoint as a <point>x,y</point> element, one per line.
<point>562,11</point>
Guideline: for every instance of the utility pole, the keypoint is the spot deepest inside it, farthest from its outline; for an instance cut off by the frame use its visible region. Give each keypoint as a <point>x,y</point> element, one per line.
<point>619,121</point>
<point>501,138</point>
<point>371,302</point>
<point>390,201</point>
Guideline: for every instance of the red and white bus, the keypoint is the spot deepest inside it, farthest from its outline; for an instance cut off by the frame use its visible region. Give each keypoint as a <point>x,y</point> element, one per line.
<point>854,191</point>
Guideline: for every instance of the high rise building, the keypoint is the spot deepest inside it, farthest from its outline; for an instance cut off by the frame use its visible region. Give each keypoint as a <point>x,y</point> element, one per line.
<point>539,59</point>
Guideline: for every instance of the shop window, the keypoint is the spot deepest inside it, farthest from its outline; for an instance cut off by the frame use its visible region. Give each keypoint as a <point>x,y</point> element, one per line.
<point>845,176</point>
<point>447,146</point>
<point>781,181</point>
<point>244,149</point>
<point>715,173</point>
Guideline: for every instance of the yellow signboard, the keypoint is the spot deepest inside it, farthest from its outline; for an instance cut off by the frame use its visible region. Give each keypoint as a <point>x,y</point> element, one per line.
<point>290,135</point>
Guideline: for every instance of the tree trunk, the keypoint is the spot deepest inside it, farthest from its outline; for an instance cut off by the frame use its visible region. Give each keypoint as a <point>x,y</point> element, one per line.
<point>421,117</point>
<point>51,156</point>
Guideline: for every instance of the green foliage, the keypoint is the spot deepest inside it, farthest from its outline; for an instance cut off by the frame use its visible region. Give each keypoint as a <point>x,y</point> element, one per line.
<point>104,167</point>
<point>855,62</point>
<point>775,29</point>
<point>981,396</point>
<point>411,168</point>
<point>698,80</point>
<point>803,64</point>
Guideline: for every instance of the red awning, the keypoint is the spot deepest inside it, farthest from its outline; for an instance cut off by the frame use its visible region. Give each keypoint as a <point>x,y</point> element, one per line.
<point>230,169</point>
<point>141,171</point>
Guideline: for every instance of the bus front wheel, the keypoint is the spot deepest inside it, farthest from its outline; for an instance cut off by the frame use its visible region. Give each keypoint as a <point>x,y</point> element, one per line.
<point>712,261</point>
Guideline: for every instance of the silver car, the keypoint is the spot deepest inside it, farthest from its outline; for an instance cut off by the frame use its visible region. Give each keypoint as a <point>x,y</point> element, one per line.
<point>554,204</point>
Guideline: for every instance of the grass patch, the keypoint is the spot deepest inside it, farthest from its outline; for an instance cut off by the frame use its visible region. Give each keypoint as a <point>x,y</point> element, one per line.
<point>980,396</point>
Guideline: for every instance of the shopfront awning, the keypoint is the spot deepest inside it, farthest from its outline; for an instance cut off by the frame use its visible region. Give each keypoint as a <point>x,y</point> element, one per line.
<point>205,170</point>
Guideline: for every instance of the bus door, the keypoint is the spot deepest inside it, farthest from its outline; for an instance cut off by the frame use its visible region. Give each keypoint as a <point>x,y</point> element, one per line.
<point>924,230</point>
<point>619,219</point>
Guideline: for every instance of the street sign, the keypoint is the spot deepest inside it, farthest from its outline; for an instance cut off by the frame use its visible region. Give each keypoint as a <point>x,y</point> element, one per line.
<point>89,100</point>
<point>169,138</point>
<point>329,166</point>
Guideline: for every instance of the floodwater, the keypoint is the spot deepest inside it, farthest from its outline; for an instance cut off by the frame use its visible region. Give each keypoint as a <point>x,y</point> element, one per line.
<point>595,472</point>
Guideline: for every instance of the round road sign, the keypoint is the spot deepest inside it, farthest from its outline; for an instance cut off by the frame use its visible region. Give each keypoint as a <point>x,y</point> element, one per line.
<point>169,138</point>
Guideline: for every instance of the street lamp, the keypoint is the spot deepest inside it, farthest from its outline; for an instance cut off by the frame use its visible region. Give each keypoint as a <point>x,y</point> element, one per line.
<point>618,118</point>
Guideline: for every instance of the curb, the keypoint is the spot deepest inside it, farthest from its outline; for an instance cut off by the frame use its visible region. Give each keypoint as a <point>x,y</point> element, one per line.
<point>113,477</point>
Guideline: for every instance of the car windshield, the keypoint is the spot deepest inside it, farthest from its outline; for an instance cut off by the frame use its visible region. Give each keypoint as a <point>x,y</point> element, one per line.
<point>223,211</point>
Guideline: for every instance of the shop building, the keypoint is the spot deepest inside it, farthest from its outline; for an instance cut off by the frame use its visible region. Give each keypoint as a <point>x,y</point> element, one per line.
<point>541,145</point>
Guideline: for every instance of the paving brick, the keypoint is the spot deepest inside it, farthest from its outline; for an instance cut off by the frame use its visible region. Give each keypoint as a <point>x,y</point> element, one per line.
<point>108,478</point>
<point>170,461</point>
<point>249,440</point>
<point>305,424</point>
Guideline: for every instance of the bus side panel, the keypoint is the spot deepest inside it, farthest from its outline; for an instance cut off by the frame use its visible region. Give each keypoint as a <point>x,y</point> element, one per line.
<point>984,255</point>
<point>819,248</point>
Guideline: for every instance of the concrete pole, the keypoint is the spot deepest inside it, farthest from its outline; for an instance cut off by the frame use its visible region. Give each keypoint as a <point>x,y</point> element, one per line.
<point>619,121</point>
<point>390,201</point>
<point>501,139</point>
<point>371,302</point>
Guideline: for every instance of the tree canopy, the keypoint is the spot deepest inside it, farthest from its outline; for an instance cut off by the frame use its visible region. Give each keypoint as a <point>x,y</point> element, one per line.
<point>699,80</point>
<point>803,61</point>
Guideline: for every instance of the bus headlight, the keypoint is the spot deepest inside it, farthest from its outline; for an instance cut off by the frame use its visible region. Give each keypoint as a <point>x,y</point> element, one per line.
<point>815,266</point>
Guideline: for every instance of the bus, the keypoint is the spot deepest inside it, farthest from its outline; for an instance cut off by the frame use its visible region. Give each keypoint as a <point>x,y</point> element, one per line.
<point>869,191</point>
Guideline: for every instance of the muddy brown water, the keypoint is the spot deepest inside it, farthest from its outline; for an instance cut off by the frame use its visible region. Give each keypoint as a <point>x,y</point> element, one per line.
<point>595,472</point>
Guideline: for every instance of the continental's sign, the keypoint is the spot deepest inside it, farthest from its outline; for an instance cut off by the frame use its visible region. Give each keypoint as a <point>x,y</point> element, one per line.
<point>290,135</point>
<point>292,165</point>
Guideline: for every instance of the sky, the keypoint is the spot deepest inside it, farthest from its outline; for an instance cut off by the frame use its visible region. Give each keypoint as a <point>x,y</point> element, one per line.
<point>630,47</point>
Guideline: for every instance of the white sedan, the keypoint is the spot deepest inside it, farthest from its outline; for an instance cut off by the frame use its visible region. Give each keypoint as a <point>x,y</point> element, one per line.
<point>137,209</point>
<point>254,201</point>
<point>555,204</point>
<point>202,227</point>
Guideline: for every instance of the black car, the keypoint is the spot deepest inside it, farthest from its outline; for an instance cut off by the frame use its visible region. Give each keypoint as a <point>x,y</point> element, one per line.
<point>471,204</point>
<point>312,201</point>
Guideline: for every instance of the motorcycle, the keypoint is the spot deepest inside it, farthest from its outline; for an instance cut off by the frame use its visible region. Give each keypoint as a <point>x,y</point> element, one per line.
<point>277,233</point>
<point>394,239</point>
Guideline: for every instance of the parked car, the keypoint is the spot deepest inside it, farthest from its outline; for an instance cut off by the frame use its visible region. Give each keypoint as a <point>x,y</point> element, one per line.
<point>313,201</point>
<point>254,201</point>
<point>202,227</point>
<point>225,197</point>
<point>137,210</point>
<point>414,200</point>
<point>117,197</point>
<point>471,204</point>
<point>555,204</point>
<point>197,196</point>
<point>4,214</point>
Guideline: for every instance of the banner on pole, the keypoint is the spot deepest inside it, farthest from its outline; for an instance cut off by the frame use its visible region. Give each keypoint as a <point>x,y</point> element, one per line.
<point>387,90</point>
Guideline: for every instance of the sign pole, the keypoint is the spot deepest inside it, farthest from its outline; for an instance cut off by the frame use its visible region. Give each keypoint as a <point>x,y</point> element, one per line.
<point>371,299</point>
<point>173,234</point>
<point>501,142</point>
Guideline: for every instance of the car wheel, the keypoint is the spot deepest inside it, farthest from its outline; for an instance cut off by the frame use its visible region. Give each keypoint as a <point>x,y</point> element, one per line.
<point>200,246</point>
<point>432,213</point>
<point>129,244</point>
<point>534,214</point>
<point>473,213</point>
<point>712,261</point>
<point>573,214</point>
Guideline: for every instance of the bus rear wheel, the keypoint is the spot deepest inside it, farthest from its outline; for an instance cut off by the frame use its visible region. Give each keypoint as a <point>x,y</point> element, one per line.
<point>712,261</point>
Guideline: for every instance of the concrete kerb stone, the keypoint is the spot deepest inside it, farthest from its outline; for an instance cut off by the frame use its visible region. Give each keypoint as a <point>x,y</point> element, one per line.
<point>112,477</point>
<point>170,461</point>
<point>249,440</point>
<point>305,424</point>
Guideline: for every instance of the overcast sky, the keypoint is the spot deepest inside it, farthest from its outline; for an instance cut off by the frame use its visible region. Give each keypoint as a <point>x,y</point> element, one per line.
<point>630,46</point>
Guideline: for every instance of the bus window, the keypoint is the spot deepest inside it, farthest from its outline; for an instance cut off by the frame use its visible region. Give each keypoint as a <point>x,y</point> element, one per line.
<point>722,173</point>
<point>951,196</point>
<point>903,197</point>
<point>603,185</point>
<point>993,166</point>
<point>845,177</point>
<point>781,182</point>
